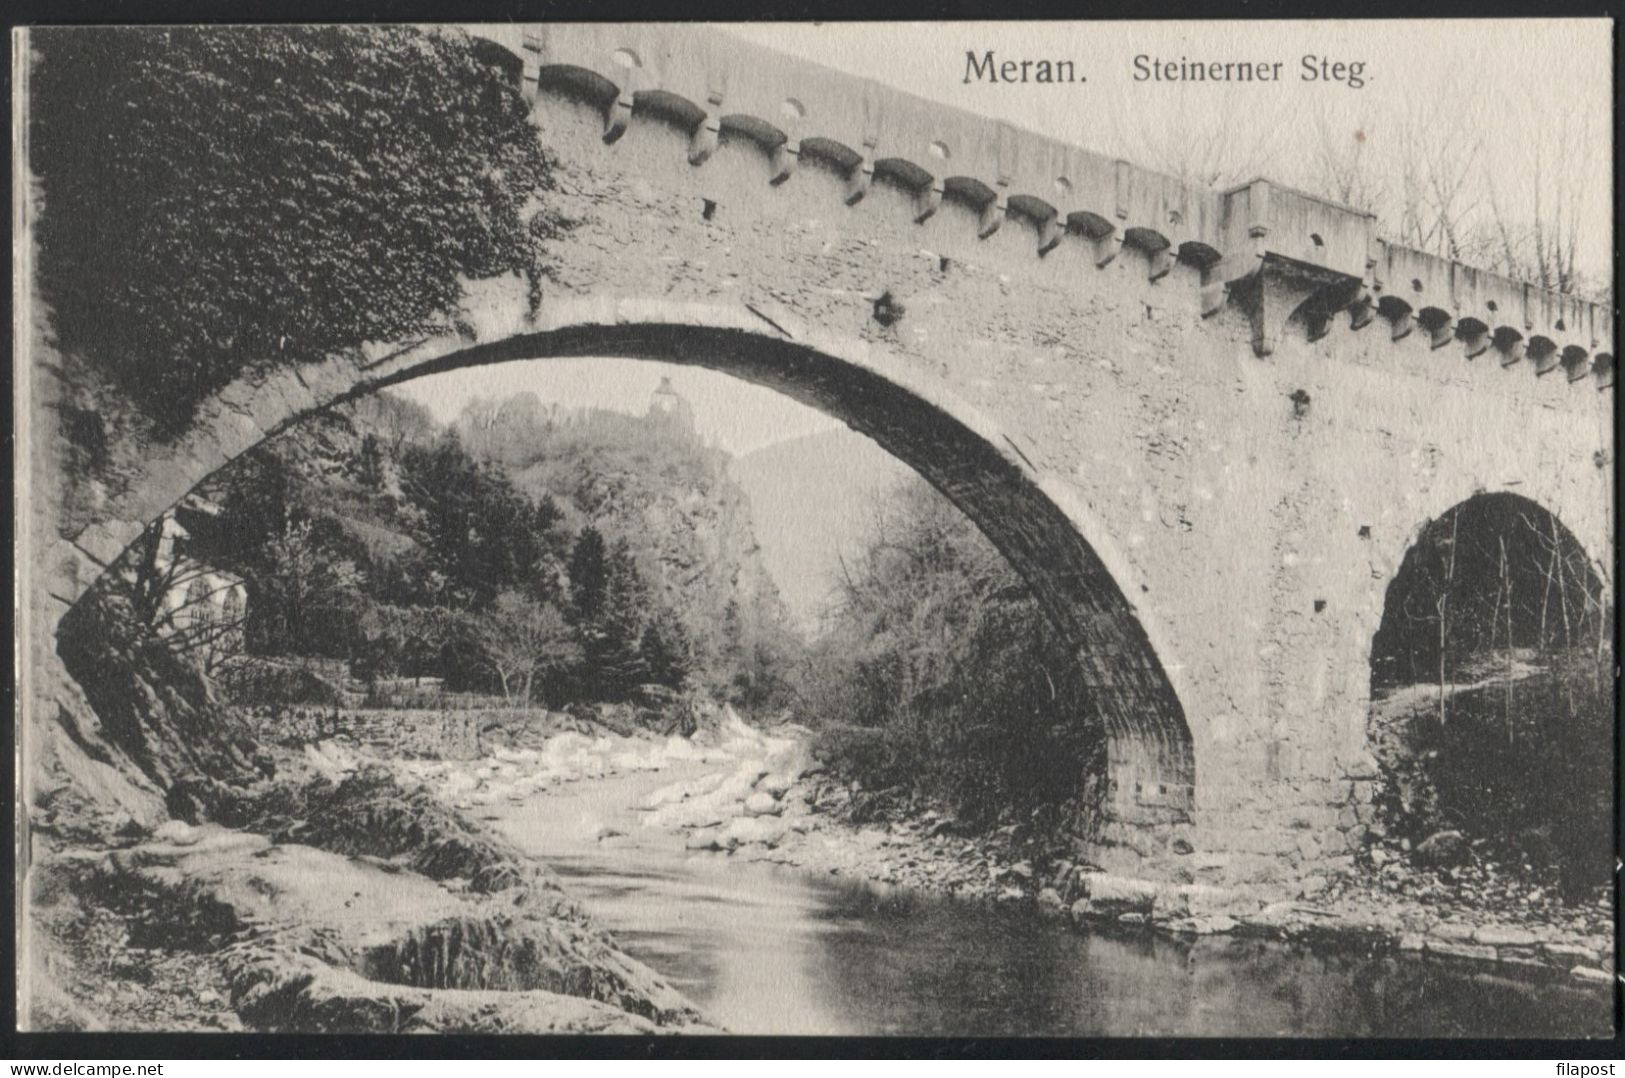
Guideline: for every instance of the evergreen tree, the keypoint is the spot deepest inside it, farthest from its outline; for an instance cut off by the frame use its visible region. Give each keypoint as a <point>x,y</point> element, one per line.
<point>667,651</point>
<point>617,656</point>
<point>589,574</point>
<point>481,530</point>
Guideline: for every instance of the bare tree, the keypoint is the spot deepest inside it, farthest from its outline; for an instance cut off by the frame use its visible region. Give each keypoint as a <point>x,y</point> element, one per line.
<point>1436,167</point>
<point>520,639</point>
<point>1345,168</point>
<point>195,610</point>
<point>1539,240</point>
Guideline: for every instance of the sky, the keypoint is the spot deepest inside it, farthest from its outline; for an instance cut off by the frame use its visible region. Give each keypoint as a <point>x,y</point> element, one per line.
<point>1526,97</point>
<point>1509,91</point>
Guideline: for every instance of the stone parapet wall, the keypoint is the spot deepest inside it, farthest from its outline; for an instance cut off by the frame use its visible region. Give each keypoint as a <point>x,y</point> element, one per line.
<point>716,88</point>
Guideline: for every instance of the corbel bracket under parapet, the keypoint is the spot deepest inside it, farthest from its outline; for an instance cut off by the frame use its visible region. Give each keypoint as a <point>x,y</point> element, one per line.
<point>1318,311</point>
<point>1159,251</point>
<point>1279,289</point>
<point>618,115</point>
<point>783,160</point>
<point>928,201</point>
<point>1104,236</point>
<point>994,211</point>
<point>862,176</point>
<point>707,136</point>
<point>1362,308</point>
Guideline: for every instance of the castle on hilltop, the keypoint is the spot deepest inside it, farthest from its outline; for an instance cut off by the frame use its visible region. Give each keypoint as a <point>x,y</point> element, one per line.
<point>669,405</point>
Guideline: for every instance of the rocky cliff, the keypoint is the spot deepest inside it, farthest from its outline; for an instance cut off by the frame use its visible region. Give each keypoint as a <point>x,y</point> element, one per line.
<point>652,481</point>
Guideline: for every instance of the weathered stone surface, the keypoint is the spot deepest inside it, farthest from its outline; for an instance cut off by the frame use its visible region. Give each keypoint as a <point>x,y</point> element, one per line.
<point>1504,936</point>
<point>1454,931</point>
<point>1115,895</point>
<point>1442,848</point>
<point>1192,899</point>
<point>703,839</point>
<point>1569,953</point>
<point>280,991</point>
<point>1449,949</point>
<point>762,804</point>
<point>1216,924</point>
<point>774,783</point>
<point>161,713</point>
<point>749,830</point>
<point>376,920</point>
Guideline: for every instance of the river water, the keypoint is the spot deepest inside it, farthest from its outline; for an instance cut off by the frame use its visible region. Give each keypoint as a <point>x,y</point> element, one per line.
<point>772,950</point>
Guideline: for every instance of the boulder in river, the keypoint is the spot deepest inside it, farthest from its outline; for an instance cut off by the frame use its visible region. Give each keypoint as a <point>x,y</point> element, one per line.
<point>1443,848</point>
<point>774,783</point>
<point>746,830</point>
<point>1116,895</point>
<point>762,804</point>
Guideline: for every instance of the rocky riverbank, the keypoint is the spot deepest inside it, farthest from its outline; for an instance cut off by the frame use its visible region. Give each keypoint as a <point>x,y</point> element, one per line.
<point>348,902</point>
<point>761,797</point>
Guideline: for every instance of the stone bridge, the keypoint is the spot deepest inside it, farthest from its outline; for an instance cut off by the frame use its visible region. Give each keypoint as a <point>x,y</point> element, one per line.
<point>1204,425</point>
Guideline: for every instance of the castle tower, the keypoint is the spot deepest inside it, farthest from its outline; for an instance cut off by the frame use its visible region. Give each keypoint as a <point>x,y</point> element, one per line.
<point>666,402</point>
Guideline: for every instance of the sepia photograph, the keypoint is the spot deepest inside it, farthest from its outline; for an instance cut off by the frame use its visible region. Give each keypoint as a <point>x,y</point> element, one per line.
<point>894,529</point>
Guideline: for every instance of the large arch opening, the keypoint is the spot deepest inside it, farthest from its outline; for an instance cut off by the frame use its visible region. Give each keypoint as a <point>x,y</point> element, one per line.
<point>1150,769</point>
<point>1493,700</point>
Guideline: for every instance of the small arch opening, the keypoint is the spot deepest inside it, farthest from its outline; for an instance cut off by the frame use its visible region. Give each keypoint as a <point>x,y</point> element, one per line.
<point>1492,704</point>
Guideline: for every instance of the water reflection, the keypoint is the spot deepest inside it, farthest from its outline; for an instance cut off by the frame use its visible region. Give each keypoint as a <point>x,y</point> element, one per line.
<point>764,950</point>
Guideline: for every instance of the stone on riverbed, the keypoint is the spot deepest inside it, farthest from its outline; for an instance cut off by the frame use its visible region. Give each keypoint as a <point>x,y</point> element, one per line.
<point>290,992</point>
<point>1493,936</point>
<point>774,783</point>
<point>1569,953</point>
<point>312,940</point>
<point>1474,951</point>
<point>177,833</point>
<point>1109,895</point>
<point>1453,931</point>
<point>747,830</point>
<point>1442,848</point>
<point>761,803</point>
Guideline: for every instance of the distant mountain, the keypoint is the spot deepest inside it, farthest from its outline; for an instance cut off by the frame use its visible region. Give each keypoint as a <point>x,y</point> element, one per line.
<point>810,499</point>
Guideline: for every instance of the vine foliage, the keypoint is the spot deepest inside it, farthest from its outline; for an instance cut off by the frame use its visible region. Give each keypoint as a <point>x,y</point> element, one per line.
<point>217,198</point>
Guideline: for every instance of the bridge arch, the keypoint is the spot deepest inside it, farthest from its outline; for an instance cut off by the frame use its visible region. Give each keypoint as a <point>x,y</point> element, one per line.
<point>1045,531</point>
<point>1492,663</point>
